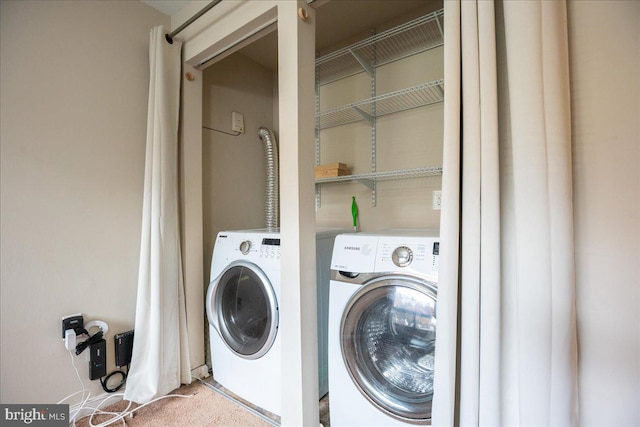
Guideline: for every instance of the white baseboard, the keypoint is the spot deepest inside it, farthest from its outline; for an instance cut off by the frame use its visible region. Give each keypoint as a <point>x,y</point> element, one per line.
<point>201,372</point>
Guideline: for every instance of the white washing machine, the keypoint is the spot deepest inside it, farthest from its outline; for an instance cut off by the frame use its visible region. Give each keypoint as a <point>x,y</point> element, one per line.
<point>382,328</point>
<point>243,312</point>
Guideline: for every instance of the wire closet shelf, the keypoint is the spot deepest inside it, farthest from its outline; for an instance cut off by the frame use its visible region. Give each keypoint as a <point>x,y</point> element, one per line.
<point>393,102</point>
<point>414,37</point>
<point>411,38</point>
<point>369,178</point>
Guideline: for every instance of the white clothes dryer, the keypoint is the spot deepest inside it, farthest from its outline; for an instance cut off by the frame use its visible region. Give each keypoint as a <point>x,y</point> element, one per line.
<point>382,328</point>
<point>243,313</point>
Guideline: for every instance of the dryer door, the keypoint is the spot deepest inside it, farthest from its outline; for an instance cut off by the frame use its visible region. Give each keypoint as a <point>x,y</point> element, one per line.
<point>244,309</point>
<point>388,333</point>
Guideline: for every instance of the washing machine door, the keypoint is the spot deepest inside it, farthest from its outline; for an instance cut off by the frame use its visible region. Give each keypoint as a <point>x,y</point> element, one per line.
<point>388,333</point>
<point>242,307</point>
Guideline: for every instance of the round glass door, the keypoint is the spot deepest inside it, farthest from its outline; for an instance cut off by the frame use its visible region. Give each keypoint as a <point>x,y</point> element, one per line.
<point>388,342</point>
<point>246,310</point>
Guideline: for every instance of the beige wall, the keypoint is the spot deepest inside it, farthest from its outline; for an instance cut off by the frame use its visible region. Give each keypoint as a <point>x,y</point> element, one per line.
<point>407,140</point>
<point>604,39</point>
<point>74,84</point>
<point>233,167</point>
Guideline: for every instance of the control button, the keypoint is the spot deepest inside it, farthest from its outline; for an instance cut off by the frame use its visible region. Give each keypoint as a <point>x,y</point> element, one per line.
<point>402,256</point>
<point>245,247</point>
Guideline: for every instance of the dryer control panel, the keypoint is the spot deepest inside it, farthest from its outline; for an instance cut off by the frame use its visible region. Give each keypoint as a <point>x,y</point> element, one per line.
<point>258,246</point>
<point>270,248</point>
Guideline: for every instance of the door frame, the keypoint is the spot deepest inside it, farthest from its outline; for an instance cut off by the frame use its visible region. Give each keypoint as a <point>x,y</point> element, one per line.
<point>222,30</point>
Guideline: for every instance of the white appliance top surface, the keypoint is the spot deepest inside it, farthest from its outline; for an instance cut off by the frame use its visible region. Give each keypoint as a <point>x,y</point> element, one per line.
<point>319,231</point>
<point>252,231</point>
<point>402,232</point>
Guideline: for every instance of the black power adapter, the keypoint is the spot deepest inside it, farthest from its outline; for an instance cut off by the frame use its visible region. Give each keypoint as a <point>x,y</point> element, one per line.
<point>123,344</point>
<point>98,360</point>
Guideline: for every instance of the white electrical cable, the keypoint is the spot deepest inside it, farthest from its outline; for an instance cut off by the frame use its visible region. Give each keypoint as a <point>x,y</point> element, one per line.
<point>72,418</point>
<point>118,416</point>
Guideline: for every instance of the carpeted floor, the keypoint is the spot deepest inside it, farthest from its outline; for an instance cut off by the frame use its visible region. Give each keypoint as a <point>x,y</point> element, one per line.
<point>205,408</point>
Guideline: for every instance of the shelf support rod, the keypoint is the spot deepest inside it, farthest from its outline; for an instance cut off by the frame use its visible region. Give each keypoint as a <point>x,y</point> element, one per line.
<point>368,117</point>
<point>318,189</point>
<point>364,64</point>
<point>439,27</point>
<point>374,155</point>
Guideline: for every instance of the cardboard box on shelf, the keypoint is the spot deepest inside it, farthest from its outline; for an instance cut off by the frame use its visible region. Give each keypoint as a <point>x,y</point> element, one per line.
<point>332,170</point>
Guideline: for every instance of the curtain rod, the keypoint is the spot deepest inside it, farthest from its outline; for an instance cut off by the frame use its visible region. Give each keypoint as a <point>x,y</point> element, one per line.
<point>169,37</point>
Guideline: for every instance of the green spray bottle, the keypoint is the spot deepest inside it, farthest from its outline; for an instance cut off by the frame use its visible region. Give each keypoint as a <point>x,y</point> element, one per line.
<point>354,213</point>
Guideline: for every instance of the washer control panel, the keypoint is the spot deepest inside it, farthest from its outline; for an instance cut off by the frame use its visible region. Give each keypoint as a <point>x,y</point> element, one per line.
<point>410,253</point>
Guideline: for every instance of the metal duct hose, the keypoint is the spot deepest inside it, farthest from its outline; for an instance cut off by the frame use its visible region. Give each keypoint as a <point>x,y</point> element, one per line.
<point>273,188</point>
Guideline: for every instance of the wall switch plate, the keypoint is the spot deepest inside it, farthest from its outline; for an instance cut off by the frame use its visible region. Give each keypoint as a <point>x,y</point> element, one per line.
<point>437,200</point>
<point>237,122</point>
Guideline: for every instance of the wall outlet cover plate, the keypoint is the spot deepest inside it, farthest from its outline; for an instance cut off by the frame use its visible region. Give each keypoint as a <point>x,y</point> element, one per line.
<point>75,322</point>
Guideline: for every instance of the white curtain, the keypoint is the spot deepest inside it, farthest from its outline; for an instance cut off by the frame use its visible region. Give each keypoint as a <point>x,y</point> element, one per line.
<point>506,305</point>
<point>160,361</point>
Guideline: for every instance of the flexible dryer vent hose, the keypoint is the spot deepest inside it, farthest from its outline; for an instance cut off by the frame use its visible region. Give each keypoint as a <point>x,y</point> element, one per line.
<point>273,187</point>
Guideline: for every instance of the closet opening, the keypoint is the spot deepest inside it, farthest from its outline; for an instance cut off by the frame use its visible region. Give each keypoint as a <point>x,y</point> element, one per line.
<point>379,113</point>
<point>243,84</point>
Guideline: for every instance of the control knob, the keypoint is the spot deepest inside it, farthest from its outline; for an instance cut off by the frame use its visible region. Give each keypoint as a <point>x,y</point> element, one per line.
<point>402,256</point>
<point>245,247</point>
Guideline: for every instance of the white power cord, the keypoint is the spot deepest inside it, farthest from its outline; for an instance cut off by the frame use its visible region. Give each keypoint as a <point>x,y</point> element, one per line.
<point>83,402</point>
<point>120,416</point>
<point>117,416</point>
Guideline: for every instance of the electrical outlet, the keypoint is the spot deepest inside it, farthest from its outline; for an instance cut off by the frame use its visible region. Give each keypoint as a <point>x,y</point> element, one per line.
<point>74,322</point>
<point>437,200</point>
<point>237,122</point>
